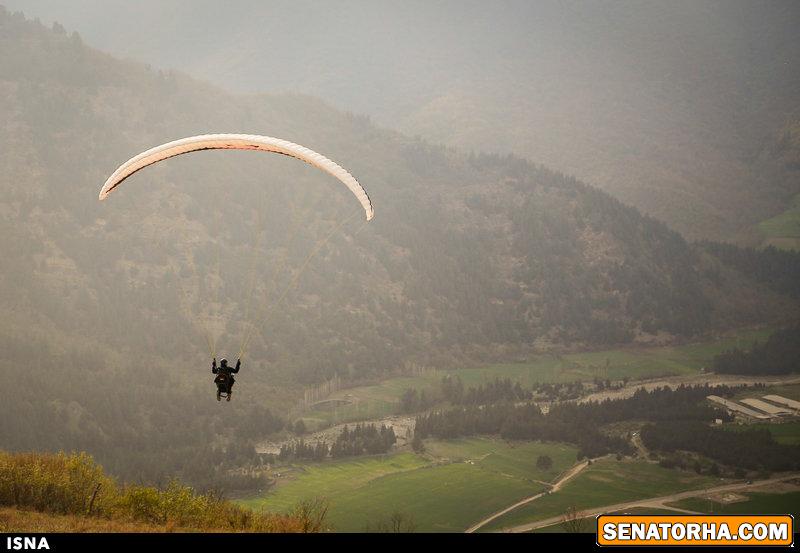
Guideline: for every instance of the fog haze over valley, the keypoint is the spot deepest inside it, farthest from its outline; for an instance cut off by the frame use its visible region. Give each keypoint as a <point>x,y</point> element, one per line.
<point>686,110</point>
<point>572,202</point>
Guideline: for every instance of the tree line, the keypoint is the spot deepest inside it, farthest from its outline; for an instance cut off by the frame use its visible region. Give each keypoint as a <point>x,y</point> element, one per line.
<point>362,439</point>
<point>776,269</point>
<point>494,391</point>
<point>577,423</point>
<point>452,390</point>
<point>780,354</point>
<point>752,448</point>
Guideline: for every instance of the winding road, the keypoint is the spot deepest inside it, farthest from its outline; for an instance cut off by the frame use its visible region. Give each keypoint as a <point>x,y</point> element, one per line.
<point>571,473</point>
<point>653,502</point>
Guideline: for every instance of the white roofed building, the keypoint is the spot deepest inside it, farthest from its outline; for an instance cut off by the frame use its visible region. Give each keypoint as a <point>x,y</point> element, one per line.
<point>736,408</point>
<point>780,400</point>
<point>770,409</point>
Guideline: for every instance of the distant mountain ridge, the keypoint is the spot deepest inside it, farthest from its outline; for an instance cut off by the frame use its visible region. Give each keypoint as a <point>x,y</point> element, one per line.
<point>468,256</point>
<point>676,108</point>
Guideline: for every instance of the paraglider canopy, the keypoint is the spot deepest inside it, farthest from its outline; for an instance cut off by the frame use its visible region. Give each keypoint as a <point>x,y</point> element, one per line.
<point>247,142</point>
<point>237,142</point>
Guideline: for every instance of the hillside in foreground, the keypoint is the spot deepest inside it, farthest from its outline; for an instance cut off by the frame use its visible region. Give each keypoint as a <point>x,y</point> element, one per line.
<point>71,493</point>
<point>21,520</point>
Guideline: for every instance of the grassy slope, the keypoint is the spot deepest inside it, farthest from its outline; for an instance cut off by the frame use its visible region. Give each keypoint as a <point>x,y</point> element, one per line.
<point>61,492</point>
<point>381,399</point>
<point>331,479</point>
<point>455,484</point>
<point>15,520</point>
<point>783,230</point>
<point>606,482</point>
<point>508,459</point>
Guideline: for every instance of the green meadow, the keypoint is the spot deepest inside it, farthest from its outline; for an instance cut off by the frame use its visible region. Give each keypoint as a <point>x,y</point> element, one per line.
<point>783,230</point>
<point>605,482</point>
<point>757,502</point>
<point>380,400</point>
<point>448,488</point>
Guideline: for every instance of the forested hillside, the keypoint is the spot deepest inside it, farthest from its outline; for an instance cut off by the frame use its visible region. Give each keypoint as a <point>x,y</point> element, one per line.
<point>783,229</point>
<point>469,258</point>
<point>678,108</point>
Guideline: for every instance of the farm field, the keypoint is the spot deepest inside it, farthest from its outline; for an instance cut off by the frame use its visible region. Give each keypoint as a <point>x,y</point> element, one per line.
<point>616,364</point>
<point>329,479</point>
<point>365,402</point>
<point>380,400</point>
<point>452,485</point>
<point>606,482</point>
<point>756,502</point>
<point>588,524</point>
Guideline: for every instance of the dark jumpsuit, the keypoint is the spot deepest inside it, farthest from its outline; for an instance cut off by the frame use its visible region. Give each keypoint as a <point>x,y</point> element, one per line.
<point>225,372</point>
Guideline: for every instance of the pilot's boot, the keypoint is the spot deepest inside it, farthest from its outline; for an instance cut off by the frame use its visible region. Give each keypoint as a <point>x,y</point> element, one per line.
<point>219,396</point>
<point>229,395</point>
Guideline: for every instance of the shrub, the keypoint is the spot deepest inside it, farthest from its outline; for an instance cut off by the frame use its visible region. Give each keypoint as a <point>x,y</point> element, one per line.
<point>63,484</point>
<point>75,484</point>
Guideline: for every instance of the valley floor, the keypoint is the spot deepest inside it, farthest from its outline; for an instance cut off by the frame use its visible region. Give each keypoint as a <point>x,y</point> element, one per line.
<point>451,486</point>
<point>487,484</point>
<point>692,501</point>
<point>482,484</point>
<point>649,366</point>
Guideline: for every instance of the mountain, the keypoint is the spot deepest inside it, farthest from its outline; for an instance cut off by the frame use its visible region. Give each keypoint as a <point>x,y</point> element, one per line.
<point>470,258</point>
<point>783,230</point>
<point>676,108</point>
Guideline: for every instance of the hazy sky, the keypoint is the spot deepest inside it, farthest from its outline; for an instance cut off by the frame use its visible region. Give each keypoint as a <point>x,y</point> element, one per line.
<point>649,100</point>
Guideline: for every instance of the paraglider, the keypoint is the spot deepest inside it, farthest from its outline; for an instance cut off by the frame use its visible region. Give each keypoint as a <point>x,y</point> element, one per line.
<point>224,374</point>
<point>224,379</point>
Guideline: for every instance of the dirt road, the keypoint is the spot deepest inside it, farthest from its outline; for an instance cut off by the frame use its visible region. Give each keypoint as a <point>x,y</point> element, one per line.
<point>654,502</point>
<point>641,450</point>
<point>571,473</point>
